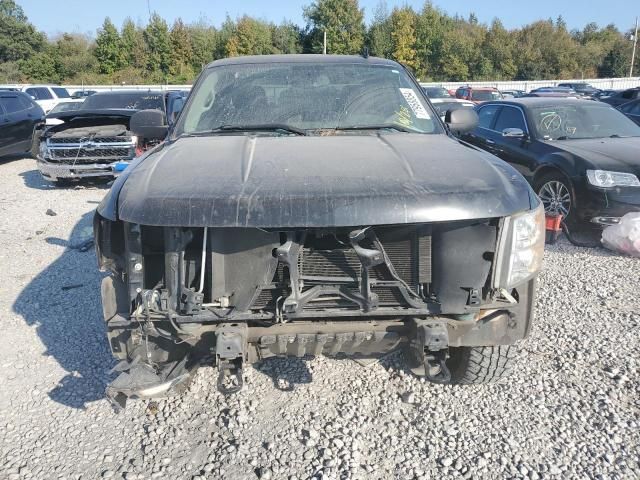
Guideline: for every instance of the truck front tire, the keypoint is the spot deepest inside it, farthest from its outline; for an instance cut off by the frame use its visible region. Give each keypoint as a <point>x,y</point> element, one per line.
<point>475,365</point>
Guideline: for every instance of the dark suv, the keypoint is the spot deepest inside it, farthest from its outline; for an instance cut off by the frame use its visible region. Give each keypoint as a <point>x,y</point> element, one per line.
<point>306,205</point>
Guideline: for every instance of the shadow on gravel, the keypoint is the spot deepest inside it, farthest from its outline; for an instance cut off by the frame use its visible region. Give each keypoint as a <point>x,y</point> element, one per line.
<point>286,372</point>
<point>33,179</point>
<point>63,304</point>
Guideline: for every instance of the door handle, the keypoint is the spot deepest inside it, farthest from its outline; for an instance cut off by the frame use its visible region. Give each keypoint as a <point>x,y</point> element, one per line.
<point>490,142</point>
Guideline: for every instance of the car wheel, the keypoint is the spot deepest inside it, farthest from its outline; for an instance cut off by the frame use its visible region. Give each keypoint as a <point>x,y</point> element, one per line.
<point>473,365</point>
<point>556,194</point>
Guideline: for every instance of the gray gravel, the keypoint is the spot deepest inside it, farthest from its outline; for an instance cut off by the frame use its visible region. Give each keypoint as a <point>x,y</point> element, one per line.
<point>570,411</point>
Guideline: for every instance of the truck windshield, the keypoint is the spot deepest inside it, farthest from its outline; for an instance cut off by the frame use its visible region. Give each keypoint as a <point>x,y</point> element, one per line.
<point>306,96</point>
<point>126,101</point>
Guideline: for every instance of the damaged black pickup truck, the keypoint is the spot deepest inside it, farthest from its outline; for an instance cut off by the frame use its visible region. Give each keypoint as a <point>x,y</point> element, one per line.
<point>307,205</point>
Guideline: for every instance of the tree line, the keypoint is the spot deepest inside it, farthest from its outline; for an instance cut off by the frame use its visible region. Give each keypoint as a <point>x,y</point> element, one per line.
<point>435,45</point>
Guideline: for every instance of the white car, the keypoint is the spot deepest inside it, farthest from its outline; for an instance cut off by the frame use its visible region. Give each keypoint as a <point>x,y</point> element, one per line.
<point>442,105</point>
<point>47,96</point>
<point>64,106</point>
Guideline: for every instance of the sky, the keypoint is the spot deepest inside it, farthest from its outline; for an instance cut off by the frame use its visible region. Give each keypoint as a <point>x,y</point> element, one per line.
<point>86,16</point>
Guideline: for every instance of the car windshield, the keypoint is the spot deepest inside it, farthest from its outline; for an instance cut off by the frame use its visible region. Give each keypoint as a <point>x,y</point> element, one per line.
<point>61,92</point>
<point>485,95</point>
<point>306,97</point>
<point>588,120</point>
<point>126,101</point>
<point>437,92</point>
<point>66,107</point>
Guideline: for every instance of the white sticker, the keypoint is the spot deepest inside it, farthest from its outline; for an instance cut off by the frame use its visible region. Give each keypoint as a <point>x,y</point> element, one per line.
<point>413,101</point>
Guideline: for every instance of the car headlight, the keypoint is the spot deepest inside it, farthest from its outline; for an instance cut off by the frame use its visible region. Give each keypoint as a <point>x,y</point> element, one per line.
<point>44,151</point>
<point>134,139</point>
<point>526,240</point>
<point>605,179</point>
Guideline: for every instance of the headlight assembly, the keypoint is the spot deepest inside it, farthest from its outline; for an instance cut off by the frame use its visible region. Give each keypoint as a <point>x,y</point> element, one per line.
<point>606,179</point>
<point>523,248</point>
<point>44,151</point>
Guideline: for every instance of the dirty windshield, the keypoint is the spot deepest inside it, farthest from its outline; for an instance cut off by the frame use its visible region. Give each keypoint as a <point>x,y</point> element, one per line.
<point>127,101</point>
<point>587,120</point>
<point>307,98</point>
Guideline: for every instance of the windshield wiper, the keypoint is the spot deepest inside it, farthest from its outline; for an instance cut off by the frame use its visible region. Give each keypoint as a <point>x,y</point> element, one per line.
<point>383,126</point>
<point>266,127</point>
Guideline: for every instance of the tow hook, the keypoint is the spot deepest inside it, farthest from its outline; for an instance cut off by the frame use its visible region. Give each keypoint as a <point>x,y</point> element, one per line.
<point>430,350</point>
<point>231,352</point>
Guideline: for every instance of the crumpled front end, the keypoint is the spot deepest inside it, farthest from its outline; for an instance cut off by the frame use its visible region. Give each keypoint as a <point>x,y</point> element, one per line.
<point>240,295</point>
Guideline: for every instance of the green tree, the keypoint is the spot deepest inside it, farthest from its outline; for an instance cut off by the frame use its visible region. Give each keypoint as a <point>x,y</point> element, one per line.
<point>498,48</point>
<point>343,20</point>
<point>203,42</point>
<point>134,48</point>
<point>109,49</point>
<point>19,40</point>
<point>181,53</point>
<point>403,35</point>
<point>13,10</point>
<point>250,37</point>
<point>73,56</point>
<point>379,35</point>
<point>156,38</point>
<point>285,38</point>
<point>40,67</point>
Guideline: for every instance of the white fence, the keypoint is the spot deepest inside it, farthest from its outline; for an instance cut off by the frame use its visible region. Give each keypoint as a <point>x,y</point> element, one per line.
<point>527,85</point>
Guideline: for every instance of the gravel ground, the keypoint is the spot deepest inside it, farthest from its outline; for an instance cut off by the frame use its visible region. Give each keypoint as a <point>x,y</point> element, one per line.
<point>571,409</point>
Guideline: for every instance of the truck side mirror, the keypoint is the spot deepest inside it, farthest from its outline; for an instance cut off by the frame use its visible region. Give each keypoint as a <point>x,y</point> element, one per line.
<point>149,124</point>
<point>461,120</point>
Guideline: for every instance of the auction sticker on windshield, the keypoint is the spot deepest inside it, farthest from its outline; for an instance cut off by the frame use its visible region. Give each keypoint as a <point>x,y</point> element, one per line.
<point>413,101</point>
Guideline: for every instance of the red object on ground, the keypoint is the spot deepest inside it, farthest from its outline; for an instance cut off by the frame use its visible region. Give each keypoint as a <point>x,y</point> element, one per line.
<point>553,226</point>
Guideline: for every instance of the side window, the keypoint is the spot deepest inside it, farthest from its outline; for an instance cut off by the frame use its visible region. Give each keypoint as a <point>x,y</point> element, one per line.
<point>634,109</point>
<point>510,117</point>
<point>11,104</point>
<point>44,93</point>
<point>486,115</point>
<point>33,92</point>
<point>26,103</point>
<point>40,93</point>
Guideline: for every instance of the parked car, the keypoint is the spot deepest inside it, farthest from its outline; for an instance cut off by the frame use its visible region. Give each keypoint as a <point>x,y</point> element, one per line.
<point>290,215</point>
<point>513,93</point>
<point>67,106</point>
<point>581,157</point>
<point>443,105</point>
<point>19,117</point>
<point>622,97</point>
<point>47,96</point>
<point>605,93</point>
<point>95,140</point>
<point>83,93</point>
<point>581,88</point>
<point>437,92</point>
<point>558,92</point>
<point>478,94</point>
<point>632,110</point>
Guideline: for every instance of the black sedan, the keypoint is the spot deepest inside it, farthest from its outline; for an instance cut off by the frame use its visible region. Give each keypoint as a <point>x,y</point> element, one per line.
<point>622,97</point>
<point>19,117</point>
<point>631,110</point>
<point>580,156</point>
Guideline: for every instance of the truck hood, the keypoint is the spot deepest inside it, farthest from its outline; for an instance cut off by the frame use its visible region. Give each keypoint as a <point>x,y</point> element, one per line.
<point>617,154</point>
<point>315,181</point>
